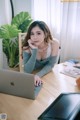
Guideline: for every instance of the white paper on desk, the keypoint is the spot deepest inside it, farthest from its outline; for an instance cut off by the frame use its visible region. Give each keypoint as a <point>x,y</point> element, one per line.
<point>68,64</point>
<point>71,71</point>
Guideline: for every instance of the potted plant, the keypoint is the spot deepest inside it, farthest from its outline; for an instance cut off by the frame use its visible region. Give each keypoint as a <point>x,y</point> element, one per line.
<point>9,34</point>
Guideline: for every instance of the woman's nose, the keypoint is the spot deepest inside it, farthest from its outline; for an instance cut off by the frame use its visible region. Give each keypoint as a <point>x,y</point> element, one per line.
<point>35,37</point>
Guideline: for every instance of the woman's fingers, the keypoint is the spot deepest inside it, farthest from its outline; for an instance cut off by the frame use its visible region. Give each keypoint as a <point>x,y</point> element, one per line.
<point>37,81</point>
<point>31,44</point>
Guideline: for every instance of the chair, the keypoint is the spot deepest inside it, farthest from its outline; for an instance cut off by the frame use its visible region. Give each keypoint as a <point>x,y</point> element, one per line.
<point>21,39</point>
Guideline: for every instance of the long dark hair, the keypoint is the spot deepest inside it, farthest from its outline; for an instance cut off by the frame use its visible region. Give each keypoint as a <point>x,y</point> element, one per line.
<point>43,26</point>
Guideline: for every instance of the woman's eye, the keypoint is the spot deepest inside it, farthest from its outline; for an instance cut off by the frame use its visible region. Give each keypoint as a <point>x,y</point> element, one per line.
<point>38,33</point>
<point>32,33</point>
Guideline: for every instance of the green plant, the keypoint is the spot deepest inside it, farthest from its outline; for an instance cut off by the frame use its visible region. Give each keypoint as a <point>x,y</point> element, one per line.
<point>9,34</point>
<point>10,43</point>
<point>22,21</point>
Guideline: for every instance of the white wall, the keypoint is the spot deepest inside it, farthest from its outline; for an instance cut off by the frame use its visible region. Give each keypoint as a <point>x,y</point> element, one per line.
<point>5,12</point>
<point>19,5</point>
<point>22,5</point>
<point>2,13</point>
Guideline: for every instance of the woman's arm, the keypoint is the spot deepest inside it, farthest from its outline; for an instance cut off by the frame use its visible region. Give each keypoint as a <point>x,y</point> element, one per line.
<point>48,67</point>
<point>29,60</point>
<point>53,59</point>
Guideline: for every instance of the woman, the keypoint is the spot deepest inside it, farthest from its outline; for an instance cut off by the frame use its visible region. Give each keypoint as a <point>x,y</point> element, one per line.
<point>40,50</point>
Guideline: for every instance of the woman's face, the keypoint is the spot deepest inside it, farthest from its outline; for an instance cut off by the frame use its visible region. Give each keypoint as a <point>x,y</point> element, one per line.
<point>37,36</point>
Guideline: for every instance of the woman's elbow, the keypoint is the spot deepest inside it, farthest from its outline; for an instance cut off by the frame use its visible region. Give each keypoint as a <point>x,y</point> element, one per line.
<point>27,69</point>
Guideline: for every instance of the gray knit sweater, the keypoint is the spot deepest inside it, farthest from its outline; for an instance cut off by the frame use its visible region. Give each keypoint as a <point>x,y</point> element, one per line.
<point>31,63</point>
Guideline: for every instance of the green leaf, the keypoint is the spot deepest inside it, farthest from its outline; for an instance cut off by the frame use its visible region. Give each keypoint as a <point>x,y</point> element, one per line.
<point>24,26</point>
<point>8,31</point>
<point>22,21</point>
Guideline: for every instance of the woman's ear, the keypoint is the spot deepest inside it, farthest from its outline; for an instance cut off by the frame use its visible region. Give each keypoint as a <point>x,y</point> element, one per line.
<point>78,82</point>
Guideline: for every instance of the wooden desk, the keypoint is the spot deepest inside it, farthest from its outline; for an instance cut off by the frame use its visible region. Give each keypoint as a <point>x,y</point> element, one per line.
<point>54,83</point>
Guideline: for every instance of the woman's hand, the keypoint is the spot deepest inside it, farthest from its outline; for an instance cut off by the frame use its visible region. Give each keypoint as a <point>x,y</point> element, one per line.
<point>37,80</point>
<point>32,45</point>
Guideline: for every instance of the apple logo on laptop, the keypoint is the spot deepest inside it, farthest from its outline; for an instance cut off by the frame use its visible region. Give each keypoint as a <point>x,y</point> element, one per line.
<point>12,83</point>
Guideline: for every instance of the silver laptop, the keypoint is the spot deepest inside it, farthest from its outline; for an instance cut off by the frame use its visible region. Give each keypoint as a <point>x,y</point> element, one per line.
<point>18,84</point>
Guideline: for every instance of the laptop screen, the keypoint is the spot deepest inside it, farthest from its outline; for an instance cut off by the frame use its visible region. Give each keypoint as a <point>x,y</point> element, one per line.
<point>65,107</point>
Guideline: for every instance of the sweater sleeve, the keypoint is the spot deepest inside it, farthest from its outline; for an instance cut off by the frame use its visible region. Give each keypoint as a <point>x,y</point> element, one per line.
<point>29,60</point>
<point>48,67</point>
